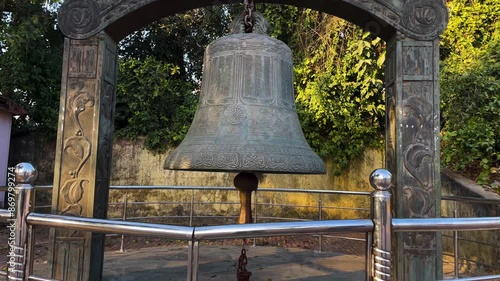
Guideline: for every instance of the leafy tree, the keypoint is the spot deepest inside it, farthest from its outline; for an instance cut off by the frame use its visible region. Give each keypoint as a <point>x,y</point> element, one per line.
<point>338,81</point>
<point>160,75</point>
<point>160,105</point>
<point>339,85</point>
<point>284,21</point>
<point>470,86</point>
<point>179,39</point>
<point>30,61</point>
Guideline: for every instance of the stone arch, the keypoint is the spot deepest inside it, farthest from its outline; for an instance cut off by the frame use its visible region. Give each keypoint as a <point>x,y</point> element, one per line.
<point>83,154</point>
<point>418,19</point>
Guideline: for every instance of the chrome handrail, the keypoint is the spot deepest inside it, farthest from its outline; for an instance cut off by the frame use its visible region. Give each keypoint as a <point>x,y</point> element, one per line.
<point>480,278</point>
<point>111,226</point>
<point>442,224</point>
<point>474,200</point>
<point>234,231</point>
<point>195,187</point>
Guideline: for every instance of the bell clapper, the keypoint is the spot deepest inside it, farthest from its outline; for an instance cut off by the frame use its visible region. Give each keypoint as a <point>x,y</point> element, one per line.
<point>246,183</point>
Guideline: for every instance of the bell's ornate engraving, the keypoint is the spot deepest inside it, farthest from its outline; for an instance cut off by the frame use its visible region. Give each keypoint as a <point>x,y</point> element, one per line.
<point>246,118</point>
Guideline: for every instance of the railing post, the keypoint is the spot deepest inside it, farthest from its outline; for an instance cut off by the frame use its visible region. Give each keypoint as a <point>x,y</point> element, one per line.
<point>380,180</point>
<point>193,260</point>
<point>369,257</point>
<point>25,173</point>
<point>191,208</point>
<point>255,201</point>
<point>30,257</point>
<point>124,218</point>
<point>320,217</point>
<point>455,245</point>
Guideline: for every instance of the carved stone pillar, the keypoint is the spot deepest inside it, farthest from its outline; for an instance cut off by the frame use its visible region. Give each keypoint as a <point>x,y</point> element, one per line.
<point>83,154</point>
<point>412,147</point>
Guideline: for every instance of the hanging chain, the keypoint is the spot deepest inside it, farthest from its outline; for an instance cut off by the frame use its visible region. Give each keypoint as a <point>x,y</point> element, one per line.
<point>249,8</point>
<point>242,274</point>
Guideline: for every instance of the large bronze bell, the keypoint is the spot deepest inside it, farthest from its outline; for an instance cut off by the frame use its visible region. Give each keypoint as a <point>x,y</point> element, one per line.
<point>246,118</point>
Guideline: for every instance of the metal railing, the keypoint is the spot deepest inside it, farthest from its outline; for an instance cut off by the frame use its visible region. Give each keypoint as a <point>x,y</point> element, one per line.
<point>258,206</point>
<point>458,256</point>
<point>381,226</point>
<point>126,206</point>
<point>260,203</point>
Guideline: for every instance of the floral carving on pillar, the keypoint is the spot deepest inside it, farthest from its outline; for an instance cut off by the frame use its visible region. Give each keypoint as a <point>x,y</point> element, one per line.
<point>78,146</point>
<point>419,190</point>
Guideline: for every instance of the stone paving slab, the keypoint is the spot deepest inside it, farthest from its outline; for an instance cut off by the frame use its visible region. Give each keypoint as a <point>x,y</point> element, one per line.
<point>220,262</point>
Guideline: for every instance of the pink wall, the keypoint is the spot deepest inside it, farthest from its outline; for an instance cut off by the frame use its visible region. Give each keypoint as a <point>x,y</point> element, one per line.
<point>5,126</point>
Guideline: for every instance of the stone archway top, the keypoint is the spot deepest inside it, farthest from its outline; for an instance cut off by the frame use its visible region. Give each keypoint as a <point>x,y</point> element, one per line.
<point>416,19</point>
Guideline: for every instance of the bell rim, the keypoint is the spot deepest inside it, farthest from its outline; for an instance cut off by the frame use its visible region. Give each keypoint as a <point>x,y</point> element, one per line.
<point>303,161</point>
<point>263,171</point>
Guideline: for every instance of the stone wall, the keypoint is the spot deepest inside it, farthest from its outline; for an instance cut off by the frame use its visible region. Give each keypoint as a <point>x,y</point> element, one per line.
<point>487,251</point>
<point>135,165</point>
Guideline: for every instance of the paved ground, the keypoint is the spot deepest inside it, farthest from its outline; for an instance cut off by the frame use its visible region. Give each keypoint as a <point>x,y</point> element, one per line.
<point>218,263</point>
<point>290,258</point>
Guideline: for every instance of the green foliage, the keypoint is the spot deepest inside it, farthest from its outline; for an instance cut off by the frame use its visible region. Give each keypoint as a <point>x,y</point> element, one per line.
<point>470,28</point>
<point>284,22</point>
<point>159,76</point>
<point>154,103</point>
<point>339,85</point>
<point>338,81</point>
<point>471,110</point>
<point>470,87</point>
<point>338,76</point>
<point>179,39</point>
<point>30,62</point>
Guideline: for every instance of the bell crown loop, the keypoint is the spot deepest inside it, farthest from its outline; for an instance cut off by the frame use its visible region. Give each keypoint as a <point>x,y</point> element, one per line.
<point>259,24</point>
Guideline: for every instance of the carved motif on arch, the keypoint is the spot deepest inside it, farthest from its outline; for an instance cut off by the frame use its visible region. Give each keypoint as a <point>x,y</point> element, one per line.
<point>425,17</point>
<point>417,19</point>
<point>79,16</point>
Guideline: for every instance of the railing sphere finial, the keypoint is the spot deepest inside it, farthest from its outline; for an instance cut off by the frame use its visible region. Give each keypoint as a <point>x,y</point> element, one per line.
<point>380,179</point>
<point>25,173</point>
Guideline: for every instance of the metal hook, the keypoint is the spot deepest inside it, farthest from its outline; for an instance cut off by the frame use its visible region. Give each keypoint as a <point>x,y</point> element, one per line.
<point>249,8</point>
